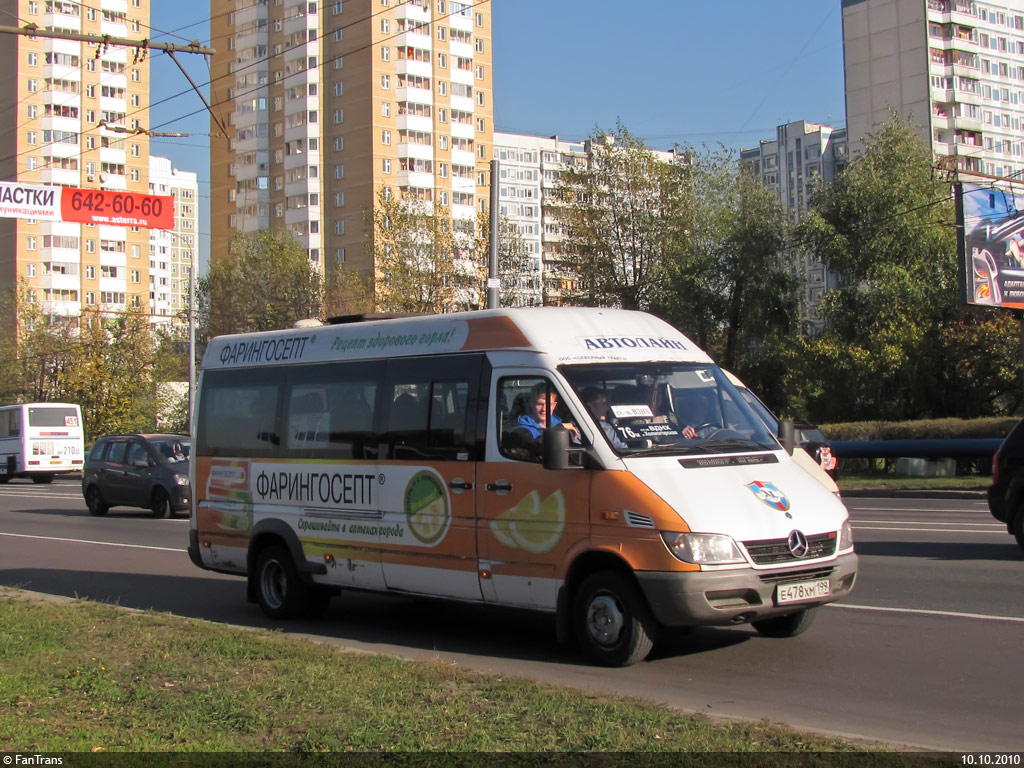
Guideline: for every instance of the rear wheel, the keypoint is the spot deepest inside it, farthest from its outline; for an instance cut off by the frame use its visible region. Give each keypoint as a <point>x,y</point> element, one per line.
<point>42,478</point>
<point>279,590</point>
<point>790,625</point>
<point>612,623</point>
<point>94,500</point>
<point>1018,527</point>
<point>161,503</point>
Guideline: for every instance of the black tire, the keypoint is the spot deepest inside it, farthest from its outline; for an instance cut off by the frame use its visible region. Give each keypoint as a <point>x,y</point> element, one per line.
<point>611,620</point>
<point>1018,528</point>
<point>790,625</point>
<point>42,478</point>
<point>4,479</point>
<point>94,500</point>
<point>280,592</point>
<point>161,503</point>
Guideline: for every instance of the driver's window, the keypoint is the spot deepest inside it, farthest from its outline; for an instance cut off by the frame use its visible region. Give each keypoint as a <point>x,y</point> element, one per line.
<point>528,405</point>
<point>136,453</point>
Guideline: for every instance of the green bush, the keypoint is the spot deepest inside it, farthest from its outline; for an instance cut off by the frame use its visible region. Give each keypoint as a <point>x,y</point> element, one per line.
<point>941,429</point>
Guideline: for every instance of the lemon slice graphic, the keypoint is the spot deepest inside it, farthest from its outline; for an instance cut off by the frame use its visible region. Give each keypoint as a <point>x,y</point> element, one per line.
<point>426,508</point>
<point>532,525</point>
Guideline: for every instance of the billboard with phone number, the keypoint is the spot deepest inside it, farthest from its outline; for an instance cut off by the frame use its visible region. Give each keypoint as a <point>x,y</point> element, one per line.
<point>86,206</point>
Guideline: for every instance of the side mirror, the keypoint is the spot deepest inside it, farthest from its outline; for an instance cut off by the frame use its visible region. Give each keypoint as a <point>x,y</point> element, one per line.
<point>556,448</point>
<point>787,435</point>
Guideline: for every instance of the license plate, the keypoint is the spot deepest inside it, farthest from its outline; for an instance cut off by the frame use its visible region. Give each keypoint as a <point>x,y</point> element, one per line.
<point>803,590</point>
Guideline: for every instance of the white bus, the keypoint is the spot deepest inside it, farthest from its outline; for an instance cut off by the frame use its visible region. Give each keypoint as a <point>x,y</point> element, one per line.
<point>40,440</point>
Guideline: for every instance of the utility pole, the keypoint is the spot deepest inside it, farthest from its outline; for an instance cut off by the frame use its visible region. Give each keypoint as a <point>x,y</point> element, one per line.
<point>32,30</point>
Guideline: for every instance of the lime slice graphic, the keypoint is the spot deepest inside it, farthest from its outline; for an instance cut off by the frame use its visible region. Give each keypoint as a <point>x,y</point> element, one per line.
<point>426,508</point>
<point>532,525</point>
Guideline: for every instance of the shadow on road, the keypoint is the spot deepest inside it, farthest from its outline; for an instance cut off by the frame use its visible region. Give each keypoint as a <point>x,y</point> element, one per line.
<point>934,550</point>
<point>369,620</point>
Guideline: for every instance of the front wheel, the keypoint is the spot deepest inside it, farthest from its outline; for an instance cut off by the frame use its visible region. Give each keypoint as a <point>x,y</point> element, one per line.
<point>94,500</point>
<point>790,625</point>
<point>161,503</point>
<point>612,623</point>
<point>279,590</point>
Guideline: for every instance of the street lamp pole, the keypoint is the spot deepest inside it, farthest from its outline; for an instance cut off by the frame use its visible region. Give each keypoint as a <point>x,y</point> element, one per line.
<point>191,339</point>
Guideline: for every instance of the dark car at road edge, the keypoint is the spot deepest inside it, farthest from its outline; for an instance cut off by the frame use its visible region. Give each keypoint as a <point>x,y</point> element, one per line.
<point>150,471</point>
<point>1006,494</point>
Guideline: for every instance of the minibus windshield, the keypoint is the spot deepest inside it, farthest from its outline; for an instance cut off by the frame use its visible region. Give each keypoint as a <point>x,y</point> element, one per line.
<point>668,408</point>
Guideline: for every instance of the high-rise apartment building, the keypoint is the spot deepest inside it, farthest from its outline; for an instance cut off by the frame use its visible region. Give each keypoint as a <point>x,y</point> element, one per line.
<point>71,111</point>
<point>801,156</point>
<point>173,252</point>
<point>329,103</point>
<point>954,67</point>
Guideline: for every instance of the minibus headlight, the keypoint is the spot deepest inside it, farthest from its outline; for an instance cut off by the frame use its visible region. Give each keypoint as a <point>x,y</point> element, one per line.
<point>181,479</point>
<point>846,536</point>
<point>703,548</point>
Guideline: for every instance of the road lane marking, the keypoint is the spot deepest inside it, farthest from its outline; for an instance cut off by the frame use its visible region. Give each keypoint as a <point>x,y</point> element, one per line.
<point>929,522</point>
<point>1001,529</point>
<point>86,541</point>
<point>926,612</point>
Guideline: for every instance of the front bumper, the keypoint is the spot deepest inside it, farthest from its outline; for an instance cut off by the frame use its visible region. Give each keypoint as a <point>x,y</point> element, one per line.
<point>997,502</point>
<point>181,498</point>
<point>717,598</point>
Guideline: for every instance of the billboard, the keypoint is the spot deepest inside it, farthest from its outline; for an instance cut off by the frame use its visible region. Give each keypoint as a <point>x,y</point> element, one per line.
<point>992,244</point>
<point>86,206</point>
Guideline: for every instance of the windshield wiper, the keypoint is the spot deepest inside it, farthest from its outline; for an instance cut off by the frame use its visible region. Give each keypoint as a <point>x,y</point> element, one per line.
<point>736,442</point>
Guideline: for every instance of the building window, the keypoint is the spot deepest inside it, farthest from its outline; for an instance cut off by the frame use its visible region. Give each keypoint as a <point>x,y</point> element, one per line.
<point>479,45</point>
<point>339,199</point>
<point>136,276</point>
<point>385,82</point>
<point>385,109</point>
<point>442,142</point>
<point>33,59</point>
<point>481,126</point>
<point>339,171</point>
<point>136,76</point>
<point>385,26</point>
<point>32,86</point>
<point>442,87</point>
<point>442,61</point>
<point>31,137</point>
<point>385,53</point>
<point>480,98</point>
<point>339,88</point>
<point>339,255</point>
<point>339,143</point>
<point>385,137</point>
<point>386,165</point>
<point>442,33</point>
<point>442,115</point>
<point>479,72</point>
<point>339,226</point>
<point>30,244</point>
<point>479,19</point>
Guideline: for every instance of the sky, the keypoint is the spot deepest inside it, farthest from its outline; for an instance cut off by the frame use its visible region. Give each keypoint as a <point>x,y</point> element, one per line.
<point>686,72</point>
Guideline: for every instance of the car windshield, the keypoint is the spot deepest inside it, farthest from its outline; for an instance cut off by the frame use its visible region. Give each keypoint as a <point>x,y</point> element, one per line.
<point>674,408</point>
<point>173,450</point>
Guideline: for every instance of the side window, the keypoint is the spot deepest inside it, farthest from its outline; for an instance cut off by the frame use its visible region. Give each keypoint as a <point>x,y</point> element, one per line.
<point>15,429</point>
<point>137,452</point>
<point>428,408</point>
<point>116,451</point>
<point>238,413</point>
<point>5,423</point>
<point>527,406</point>
<point>332,411</point>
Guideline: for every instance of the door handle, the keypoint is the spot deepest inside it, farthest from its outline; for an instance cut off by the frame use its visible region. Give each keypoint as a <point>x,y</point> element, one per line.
<point>500,486</point>
<point>459,486</point>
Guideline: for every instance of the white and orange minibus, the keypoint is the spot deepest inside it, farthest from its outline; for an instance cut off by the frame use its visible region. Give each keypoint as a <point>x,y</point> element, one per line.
<point>591,463</point>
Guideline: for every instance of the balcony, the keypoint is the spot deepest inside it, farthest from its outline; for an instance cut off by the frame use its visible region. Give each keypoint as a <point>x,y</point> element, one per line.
<point>59,282</point>
<point>414,123</point>
<point>413,12</point>
<point>417,95</point>
<point>414,40</point>
<point>62,21</point>
<point>462,157</point>
<point>462,103</point>
<point>463,76</point>
<point>72,308</point>
<point>418,151</point>
<point>61,176</point>
<point>415,179</point>
<point>418,68</point>
<point>465,23</point>
<point>463,130</point>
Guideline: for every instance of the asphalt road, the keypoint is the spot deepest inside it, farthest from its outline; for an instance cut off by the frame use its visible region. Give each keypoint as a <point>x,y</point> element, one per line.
<point>925,653</point>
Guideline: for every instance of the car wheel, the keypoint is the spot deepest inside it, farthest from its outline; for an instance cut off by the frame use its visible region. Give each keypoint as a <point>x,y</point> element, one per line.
<point>161,503</point>
<point>4,479</point>
<point>612,623</point>
<point>279,590</point>
<point>790,625</point>
<point>94,500</point>
<point>1018,527</point>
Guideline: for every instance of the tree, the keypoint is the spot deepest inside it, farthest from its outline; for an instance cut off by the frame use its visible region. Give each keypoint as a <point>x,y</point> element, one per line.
<point>625,212</point>
<point>264,282</point>
<point>425,261</point>
<point>898,343</point>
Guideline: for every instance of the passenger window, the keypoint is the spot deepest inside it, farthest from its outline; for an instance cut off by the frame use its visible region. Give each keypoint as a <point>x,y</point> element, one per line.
<point>428,409</point>
<point>137,452</point>
<point>239,413</point>
<point>115,453</point>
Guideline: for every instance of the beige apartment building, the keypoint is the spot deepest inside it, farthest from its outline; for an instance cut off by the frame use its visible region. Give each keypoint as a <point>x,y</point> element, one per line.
<point>955,67</point>
<point>71,111</point>
<point>328,103</point>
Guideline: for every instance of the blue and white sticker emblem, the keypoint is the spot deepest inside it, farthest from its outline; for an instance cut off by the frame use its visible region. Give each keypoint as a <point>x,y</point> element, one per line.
<point>769,494</point>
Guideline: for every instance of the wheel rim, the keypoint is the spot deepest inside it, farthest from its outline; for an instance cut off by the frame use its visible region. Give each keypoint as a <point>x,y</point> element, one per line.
<point>94,499</point>
<point>272,582</point>
<point>605,621</point>
<point>163,504</point>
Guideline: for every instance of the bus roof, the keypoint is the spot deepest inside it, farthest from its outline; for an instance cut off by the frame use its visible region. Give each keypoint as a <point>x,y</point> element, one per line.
<point>568,334</point>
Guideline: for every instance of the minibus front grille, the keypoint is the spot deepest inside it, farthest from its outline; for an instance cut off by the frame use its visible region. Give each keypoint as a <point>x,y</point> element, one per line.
<point>774,551</point>
<point>792,577</point>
